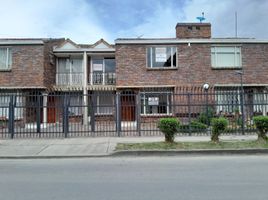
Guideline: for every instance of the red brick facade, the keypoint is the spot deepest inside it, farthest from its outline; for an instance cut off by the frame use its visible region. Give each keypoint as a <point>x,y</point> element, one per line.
<point>194,67</point>
<point>193,30</point>
<point>32,66</point>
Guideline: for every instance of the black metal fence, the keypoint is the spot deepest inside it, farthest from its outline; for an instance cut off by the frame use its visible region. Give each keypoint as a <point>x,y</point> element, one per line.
<point>125,113</point>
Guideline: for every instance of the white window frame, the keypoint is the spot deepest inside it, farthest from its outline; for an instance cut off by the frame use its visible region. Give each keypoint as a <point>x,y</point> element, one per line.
<point>260,98</point>
<point>69,62</point>
<point>4,106</point>
<point>158,93</point>
<point>103,68</point>
<point>151,57</point>
<point>8,65</point>
<point>216,52</point>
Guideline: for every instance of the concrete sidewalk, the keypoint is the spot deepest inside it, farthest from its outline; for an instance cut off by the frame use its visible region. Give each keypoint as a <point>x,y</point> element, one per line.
<point>83,147</point>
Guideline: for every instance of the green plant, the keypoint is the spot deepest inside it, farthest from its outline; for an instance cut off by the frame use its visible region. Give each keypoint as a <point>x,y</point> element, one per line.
<point>169,126</point>
<point>205,117</point>
<point>239,121</point>
<point>218,126</point>
<point>261,123</point>
<point>195,126</point>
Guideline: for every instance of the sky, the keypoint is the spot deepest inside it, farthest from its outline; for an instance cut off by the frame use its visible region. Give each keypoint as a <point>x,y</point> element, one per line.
<point>86,21</point>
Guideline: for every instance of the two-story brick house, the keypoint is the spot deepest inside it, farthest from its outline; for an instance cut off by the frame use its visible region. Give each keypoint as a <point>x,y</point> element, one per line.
<point>27,68</point>
<point>184,64</point>
<point>83,70</point>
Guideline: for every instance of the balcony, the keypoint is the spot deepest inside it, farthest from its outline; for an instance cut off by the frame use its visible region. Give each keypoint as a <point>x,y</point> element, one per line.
<point>64,79</point>
<point>100,78</point>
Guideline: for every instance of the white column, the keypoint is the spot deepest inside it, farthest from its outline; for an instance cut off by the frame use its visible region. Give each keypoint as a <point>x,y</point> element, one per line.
<point>85,94</point>
<point>45,108</point>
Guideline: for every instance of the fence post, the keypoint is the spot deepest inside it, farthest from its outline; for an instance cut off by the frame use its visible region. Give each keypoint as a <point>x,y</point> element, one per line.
<point>242,110</point>
<point>11,117</point>
<point>189,112</point>
<point>38,113</point>
<point>92,113</point>
<point>138,113</point>
<point>118,114</point>
<point>65,117</point>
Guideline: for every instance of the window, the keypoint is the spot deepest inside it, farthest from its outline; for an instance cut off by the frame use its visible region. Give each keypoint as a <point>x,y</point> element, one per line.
<point>69,71</point>
<point>228,101</point>
<point>161,57</point>
<point>226,57</point>
<point>260,102</point>
<point>103,71</point>
<point>105,103</point>
<point>156,102</point>
<point>4,106</point>
<point>76,105</point>
<point>5,58</point>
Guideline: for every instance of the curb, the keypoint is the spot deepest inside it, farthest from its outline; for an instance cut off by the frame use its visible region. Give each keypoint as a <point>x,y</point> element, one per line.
<point>189,152</point>
<point>136,153</point>
<point>55,157</point>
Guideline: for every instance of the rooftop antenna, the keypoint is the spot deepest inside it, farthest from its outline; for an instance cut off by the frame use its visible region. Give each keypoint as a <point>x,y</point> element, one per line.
<point>236,24</point>
<point>140,36</point>
<point>201,19</point>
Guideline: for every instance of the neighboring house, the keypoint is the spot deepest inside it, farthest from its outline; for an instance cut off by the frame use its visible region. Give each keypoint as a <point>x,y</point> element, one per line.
<point>26,68</point>
<point>83,71</point>
<point>160,68</point>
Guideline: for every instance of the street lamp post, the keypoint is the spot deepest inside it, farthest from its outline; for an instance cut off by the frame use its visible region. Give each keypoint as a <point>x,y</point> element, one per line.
<point>206,87</point>
<point>242,100</point>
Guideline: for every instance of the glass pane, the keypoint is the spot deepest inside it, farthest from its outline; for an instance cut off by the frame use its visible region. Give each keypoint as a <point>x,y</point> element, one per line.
<point>97,65</point>
<point>226,60</point>
<point>63,65</point>
<point>3,57</point>
<point>109,65</point>
<point>75,105</point>
<point>213,59</point>
<point>77,65</point>
<point>9,58</point>
<point>174,52</point>
<point>226,49</point>
<point>161,56</point>
<point>106,103</point>
<point>149,58</point>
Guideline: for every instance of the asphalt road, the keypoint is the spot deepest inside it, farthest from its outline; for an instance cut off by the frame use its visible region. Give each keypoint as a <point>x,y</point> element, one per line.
<point>148,178</point>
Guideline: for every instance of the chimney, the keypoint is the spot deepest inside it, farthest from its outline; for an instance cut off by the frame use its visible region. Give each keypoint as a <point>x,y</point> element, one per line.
<point>193,30</point>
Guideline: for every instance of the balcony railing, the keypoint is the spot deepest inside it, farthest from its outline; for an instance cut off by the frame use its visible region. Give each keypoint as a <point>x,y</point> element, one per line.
<point>69,78</point>
<point>100,78</point>
<point>95,78</point>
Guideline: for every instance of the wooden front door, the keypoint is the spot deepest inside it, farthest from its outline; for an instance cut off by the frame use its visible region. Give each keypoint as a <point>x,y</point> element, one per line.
<point>128,107</point>
<point>51,109</point>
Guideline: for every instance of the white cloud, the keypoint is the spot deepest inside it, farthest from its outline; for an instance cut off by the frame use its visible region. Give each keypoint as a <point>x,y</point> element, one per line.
<point>83,22</point>
<point>160,23</point>
<point>51,18</point>
<point>252,18</point>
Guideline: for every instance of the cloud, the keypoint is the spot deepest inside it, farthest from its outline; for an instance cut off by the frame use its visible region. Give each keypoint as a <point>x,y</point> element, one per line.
<point>252,16</point>
<point>51,18</point>
<point>161,20</point>
<point>86,21</point>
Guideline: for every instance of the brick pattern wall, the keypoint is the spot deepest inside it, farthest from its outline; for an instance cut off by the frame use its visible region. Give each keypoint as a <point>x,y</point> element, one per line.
<point>27,67</point>
<point>194,67</point>
<point>193,30</point>
<point>50,61</point>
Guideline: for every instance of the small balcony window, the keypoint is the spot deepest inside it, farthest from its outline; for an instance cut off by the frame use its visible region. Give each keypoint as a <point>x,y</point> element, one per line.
<point>69,71</point>
<point>103,71</point>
